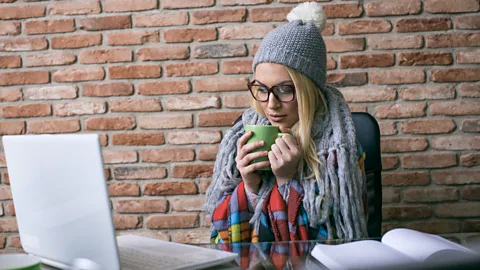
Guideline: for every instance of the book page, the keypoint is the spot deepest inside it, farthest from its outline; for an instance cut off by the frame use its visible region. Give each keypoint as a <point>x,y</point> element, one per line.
<point>419,245</point>
<point>366,254</point>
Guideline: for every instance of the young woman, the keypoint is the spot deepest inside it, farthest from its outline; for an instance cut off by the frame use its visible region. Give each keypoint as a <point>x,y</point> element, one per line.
<point>315,187</point>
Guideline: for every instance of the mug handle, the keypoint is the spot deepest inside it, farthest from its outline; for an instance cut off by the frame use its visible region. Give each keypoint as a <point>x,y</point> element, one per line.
<point>279,135</point>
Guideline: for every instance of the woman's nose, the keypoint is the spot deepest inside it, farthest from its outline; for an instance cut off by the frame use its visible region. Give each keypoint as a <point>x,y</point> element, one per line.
<point>273,101</point>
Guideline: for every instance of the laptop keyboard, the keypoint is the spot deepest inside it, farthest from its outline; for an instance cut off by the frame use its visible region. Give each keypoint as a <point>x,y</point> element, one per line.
<point>137,259</point>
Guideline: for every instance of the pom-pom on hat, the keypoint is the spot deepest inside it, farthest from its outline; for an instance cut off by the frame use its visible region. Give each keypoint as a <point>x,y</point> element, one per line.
<point>298,44</point>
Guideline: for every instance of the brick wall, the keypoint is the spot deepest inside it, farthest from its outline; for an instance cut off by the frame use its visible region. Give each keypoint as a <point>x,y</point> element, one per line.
<point>161,81</point>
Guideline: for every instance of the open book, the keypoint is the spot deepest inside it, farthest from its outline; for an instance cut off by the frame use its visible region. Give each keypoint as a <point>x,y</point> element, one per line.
<point>398,247</point>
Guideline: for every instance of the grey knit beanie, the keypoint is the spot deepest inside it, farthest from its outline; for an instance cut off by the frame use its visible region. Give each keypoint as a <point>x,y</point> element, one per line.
<point>298,44</point>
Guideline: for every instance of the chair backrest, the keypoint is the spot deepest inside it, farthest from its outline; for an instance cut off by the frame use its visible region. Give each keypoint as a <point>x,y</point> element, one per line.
<point>368,134</point>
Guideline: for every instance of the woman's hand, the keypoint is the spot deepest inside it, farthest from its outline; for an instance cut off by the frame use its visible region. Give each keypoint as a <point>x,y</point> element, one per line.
<point>284,157</point>
<point>244,157</point>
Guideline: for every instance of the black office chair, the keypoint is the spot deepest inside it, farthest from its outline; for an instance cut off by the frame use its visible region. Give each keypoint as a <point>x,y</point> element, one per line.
<point>368,134</point>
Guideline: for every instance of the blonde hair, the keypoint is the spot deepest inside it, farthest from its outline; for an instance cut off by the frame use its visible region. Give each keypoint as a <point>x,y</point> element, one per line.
<point>311,102</point>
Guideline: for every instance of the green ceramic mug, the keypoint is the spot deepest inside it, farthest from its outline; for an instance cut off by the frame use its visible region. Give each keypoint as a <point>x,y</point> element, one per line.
<point>265,133</point>
<point>19,262</point>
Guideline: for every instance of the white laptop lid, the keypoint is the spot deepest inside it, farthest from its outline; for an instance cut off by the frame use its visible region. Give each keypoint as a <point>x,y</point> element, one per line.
<point>61,199</point>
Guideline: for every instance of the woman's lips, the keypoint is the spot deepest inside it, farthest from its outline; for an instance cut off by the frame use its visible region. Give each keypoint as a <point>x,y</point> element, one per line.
<point>276,118</point>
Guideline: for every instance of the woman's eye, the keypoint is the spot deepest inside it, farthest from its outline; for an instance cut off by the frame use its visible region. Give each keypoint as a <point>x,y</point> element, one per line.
<point>286,89</point>
<point>262,89</point>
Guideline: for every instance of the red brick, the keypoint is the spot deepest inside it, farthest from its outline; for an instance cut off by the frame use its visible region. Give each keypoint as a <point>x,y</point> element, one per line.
<point>10,94</point>
<point>430,126</point>
<point>194,137</point>
<point>237,101</point>
<point>174,4</point>
<point>74,8</point>
<point>10,209</point>
<point>395,42</point>
<point>138,139</point>
<point>436,227</point>
<point>163,88</point>
<point>134,71</point>
<point>119,156</point>
<point>123,189</point>
<point>461,177</point>
<point>189,35</point>
<point>343,10</point>
<point>471,226</point>
<point>23,44</point>
<point>10,28</point>
<point>167,155</point>
<point>470,125</point>
<point>445,6</point>
<point>456,75</point>
<point>424,58</point>
<point>220,84</point>
<point>76,41</point>
<point>49,59</point>
<point>453,40</point>
<point>10,61</point>
<point>356,108</point>
<point>163,53</point>
<point>471,193</point>
<point>470,160</point>
<point>387,128</point>
<point>244,31</point>
<point>367,60</point>
<point>130,173</point>
<point>53,126</point>
<point>364,27</point>
<point>427,92</point>
<point>219,50</point>
<point>204,184</point>
<point>406,212</point>
<point>192,103</point>
<point>107,89</point>
<point>237,67</point>
<point>217,119</point>
<point>24,77</point>
<point>218,16</point>
<point>468,57</point>
<point>207,153</point>
<point>162,121</point>
<point>369,94</point>
<point>110,123</point>
<point>402,110</point>
<point>128,5</point>
<point>457,210</point>
<point>135,105</point>
<point>390,195</point>
<point>467,22</point>
<point>201,236</point>
<point>243,2</point>
<point>423,24</point>
<point>270,14</point>
<point>192,204</point>
<point>105,23</point>
<point>331,64</point>
<point>455,108</point>
<point>127,222</point>
<point>403,145</point>
<point>170,188</point>
<point>78,74</point>
<point>399,179</point>
<point>160,20</point>
<point>27,110</point>
<point>151,234</point>
<point>49,26</point>
<point>12,128</point>
<point>335,45</point>
<point>141,206</point>
<point>192,171</point>
<point>135,37</point>
<point>397,76</point>
<point>399,7</point>
<point>455,143</point>
<point>439,160</point>
<point>347,79</point>
<point>5,193</point>
<point>21,12</point>
<point>8,225</point>
<point>79,108</point>
<point>173,221</point>
<point>430,194</point>
<point>106,56</point>
<point>191,69</point>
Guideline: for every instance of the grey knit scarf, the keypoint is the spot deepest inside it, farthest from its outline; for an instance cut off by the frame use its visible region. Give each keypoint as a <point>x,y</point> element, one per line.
<point>341,187</point>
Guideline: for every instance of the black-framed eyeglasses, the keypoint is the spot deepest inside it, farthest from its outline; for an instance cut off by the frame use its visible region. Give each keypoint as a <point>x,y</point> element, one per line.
<point>283,91</point>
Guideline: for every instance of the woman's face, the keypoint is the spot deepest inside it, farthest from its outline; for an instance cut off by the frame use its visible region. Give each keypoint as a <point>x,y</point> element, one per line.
<point>278,113</point>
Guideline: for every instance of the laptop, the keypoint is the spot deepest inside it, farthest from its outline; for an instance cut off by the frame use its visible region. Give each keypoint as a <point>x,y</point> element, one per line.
<point>64,215</point>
